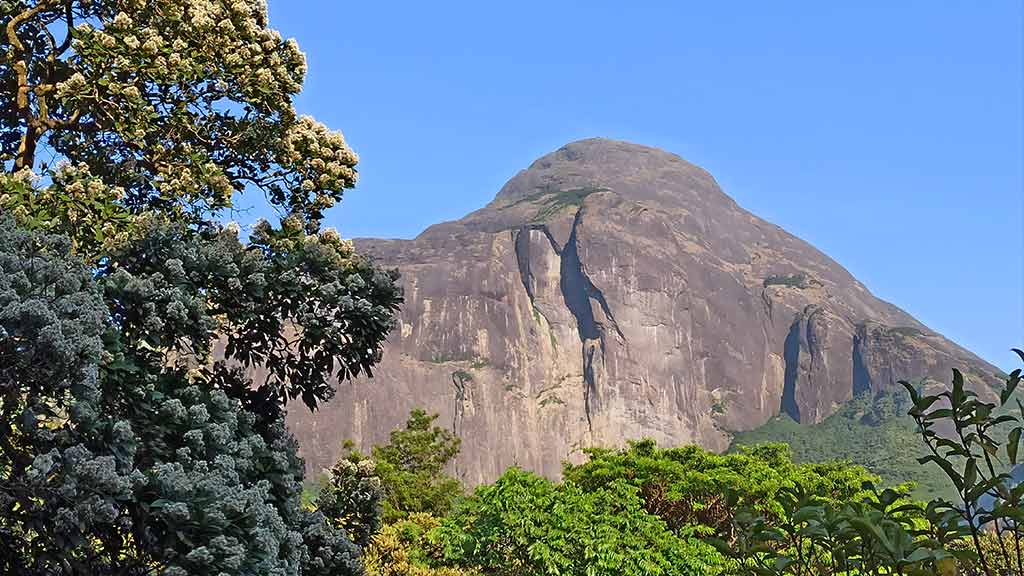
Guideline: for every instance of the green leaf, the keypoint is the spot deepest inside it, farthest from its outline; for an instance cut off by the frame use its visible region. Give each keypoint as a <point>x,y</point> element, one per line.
<point>1011,385</point>
<point>958,387</point>
<point>1012,444</point>
<point>914,396</point>
<point>941,413</point>
<point>947,467</point>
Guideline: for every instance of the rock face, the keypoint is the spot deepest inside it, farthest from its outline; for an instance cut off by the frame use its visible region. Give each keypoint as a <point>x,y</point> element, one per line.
<point>610,292</point>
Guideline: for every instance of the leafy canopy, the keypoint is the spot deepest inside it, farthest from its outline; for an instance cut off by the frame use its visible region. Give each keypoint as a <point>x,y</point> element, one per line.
<point>411,468</point>
<point>979,532</point>
<point>687,486</point>
<point>523,524</point>
<point>132,438</point>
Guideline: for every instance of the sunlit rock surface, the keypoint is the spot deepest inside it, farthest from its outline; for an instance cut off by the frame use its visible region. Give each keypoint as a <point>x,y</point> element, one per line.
<point>612,291</point>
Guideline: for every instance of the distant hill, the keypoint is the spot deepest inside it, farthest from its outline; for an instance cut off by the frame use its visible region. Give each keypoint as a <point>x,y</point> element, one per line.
<point>873,431</point>
<point>612,291</point>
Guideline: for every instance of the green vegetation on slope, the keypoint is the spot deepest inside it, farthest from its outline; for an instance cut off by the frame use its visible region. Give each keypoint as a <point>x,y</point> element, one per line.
<point>799,280</point>
<point>871,431</point>
<point>553,200</point>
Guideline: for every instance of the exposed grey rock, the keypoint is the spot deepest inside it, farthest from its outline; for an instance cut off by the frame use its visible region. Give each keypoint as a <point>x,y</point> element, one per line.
<point>609,292</point>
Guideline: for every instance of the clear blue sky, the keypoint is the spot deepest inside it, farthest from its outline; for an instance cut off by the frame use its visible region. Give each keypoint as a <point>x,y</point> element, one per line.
<point>888,134</point>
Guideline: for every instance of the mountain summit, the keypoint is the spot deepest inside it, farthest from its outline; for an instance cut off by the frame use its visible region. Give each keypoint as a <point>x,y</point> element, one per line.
<point>612,291</point>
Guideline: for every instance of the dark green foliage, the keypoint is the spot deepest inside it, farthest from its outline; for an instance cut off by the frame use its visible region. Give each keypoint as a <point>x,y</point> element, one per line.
<point>687,486</point>
<point>462,376</point>
<point>872,431</point>
<point>525,525</point>
<point>971,456</point>
<point>53,439</point>
<point>304,307</point>
<point>877,534</point>
<point>350,499</point>
<point>132,440</point>
<point>551,399</point>
<point>797,280</point>
<point>553,200</point>
<point>119,456</point>
<point>51,318</point>
<point>222,487</point>
<point>980,529</point>
<point>411,468</point>
<point>906,331</point>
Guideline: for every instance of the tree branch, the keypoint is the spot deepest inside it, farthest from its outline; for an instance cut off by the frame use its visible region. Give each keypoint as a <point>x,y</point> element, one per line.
<point>29,139</point>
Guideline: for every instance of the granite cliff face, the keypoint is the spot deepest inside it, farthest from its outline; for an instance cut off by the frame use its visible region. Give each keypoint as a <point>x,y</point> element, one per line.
<point>609,292</point>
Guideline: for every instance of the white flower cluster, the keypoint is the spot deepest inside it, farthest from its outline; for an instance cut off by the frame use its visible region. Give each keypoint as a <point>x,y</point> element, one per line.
<point>206,50</point>
<point>75,203</point>
<point>207,180</point>
<point>257,57</point>
<point>72,86</point>
<point>321,160</point>
<point>346,467</point>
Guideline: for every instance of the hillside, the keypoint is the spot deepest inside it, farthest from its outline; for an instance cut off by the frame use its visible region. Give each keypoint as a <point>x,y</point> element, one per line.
<point>613,291</point>
<point>873,431</point>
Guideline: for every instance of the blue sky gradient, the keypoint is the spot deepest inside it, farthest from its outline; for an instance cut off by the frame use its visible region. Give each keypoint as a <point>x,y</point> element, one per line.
<point>887,134</point>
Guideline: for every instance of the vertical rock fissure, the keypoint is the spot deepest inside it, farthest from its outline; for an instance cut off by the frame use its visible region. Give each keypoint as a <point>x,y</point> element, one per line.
<point>791,357</point>
<point>522,248</point>
<point>578,291</point>
<point>589,383</point>
<point>460,380</point>
<point>767,301</point>
<point>861,376</point>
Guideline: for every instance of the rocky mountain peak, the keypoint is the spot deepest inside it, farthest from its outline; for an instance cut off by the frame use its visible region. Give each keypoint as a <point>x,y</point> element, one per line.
<point>632,170</point>
<point>612,291</point>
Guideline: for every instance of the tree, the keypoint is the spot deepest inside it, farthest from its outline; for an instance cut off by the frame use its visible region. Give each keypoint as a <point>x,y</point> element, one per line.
<point>406,480</point>
<point>411,468</point>
<point>51,327</point>
<point>970,457</point>
<point>132,438</point>
<point>687,486</point>
<point>524,525</point>
<point>350,499</point>
<point>404,548</point>
<point>181,103</point>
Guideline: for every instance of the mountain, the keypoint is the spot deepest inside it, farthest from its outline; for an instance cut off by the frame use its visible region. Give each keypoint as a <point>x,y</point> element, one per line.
<point>612,291</point>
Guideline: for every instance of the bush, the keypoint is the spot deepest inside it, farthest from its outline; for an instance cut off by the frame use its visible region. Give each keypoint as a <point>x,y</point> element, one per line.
<point>525,525</point>
<point>411,468</point>
<point>405,549</point>
<point>686,487</point>
<point>882,533</point>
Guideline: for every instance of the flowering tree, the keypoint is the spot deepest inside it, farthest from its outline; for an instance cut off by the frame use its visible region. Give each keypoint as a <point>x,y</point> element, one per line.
<point>132,438</point>
<point>181,103</point>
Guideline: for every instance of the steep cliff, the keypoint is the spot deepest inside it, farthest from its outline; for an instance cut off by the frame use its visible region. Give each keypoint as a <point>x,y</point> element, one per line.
<point>612,291</point>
